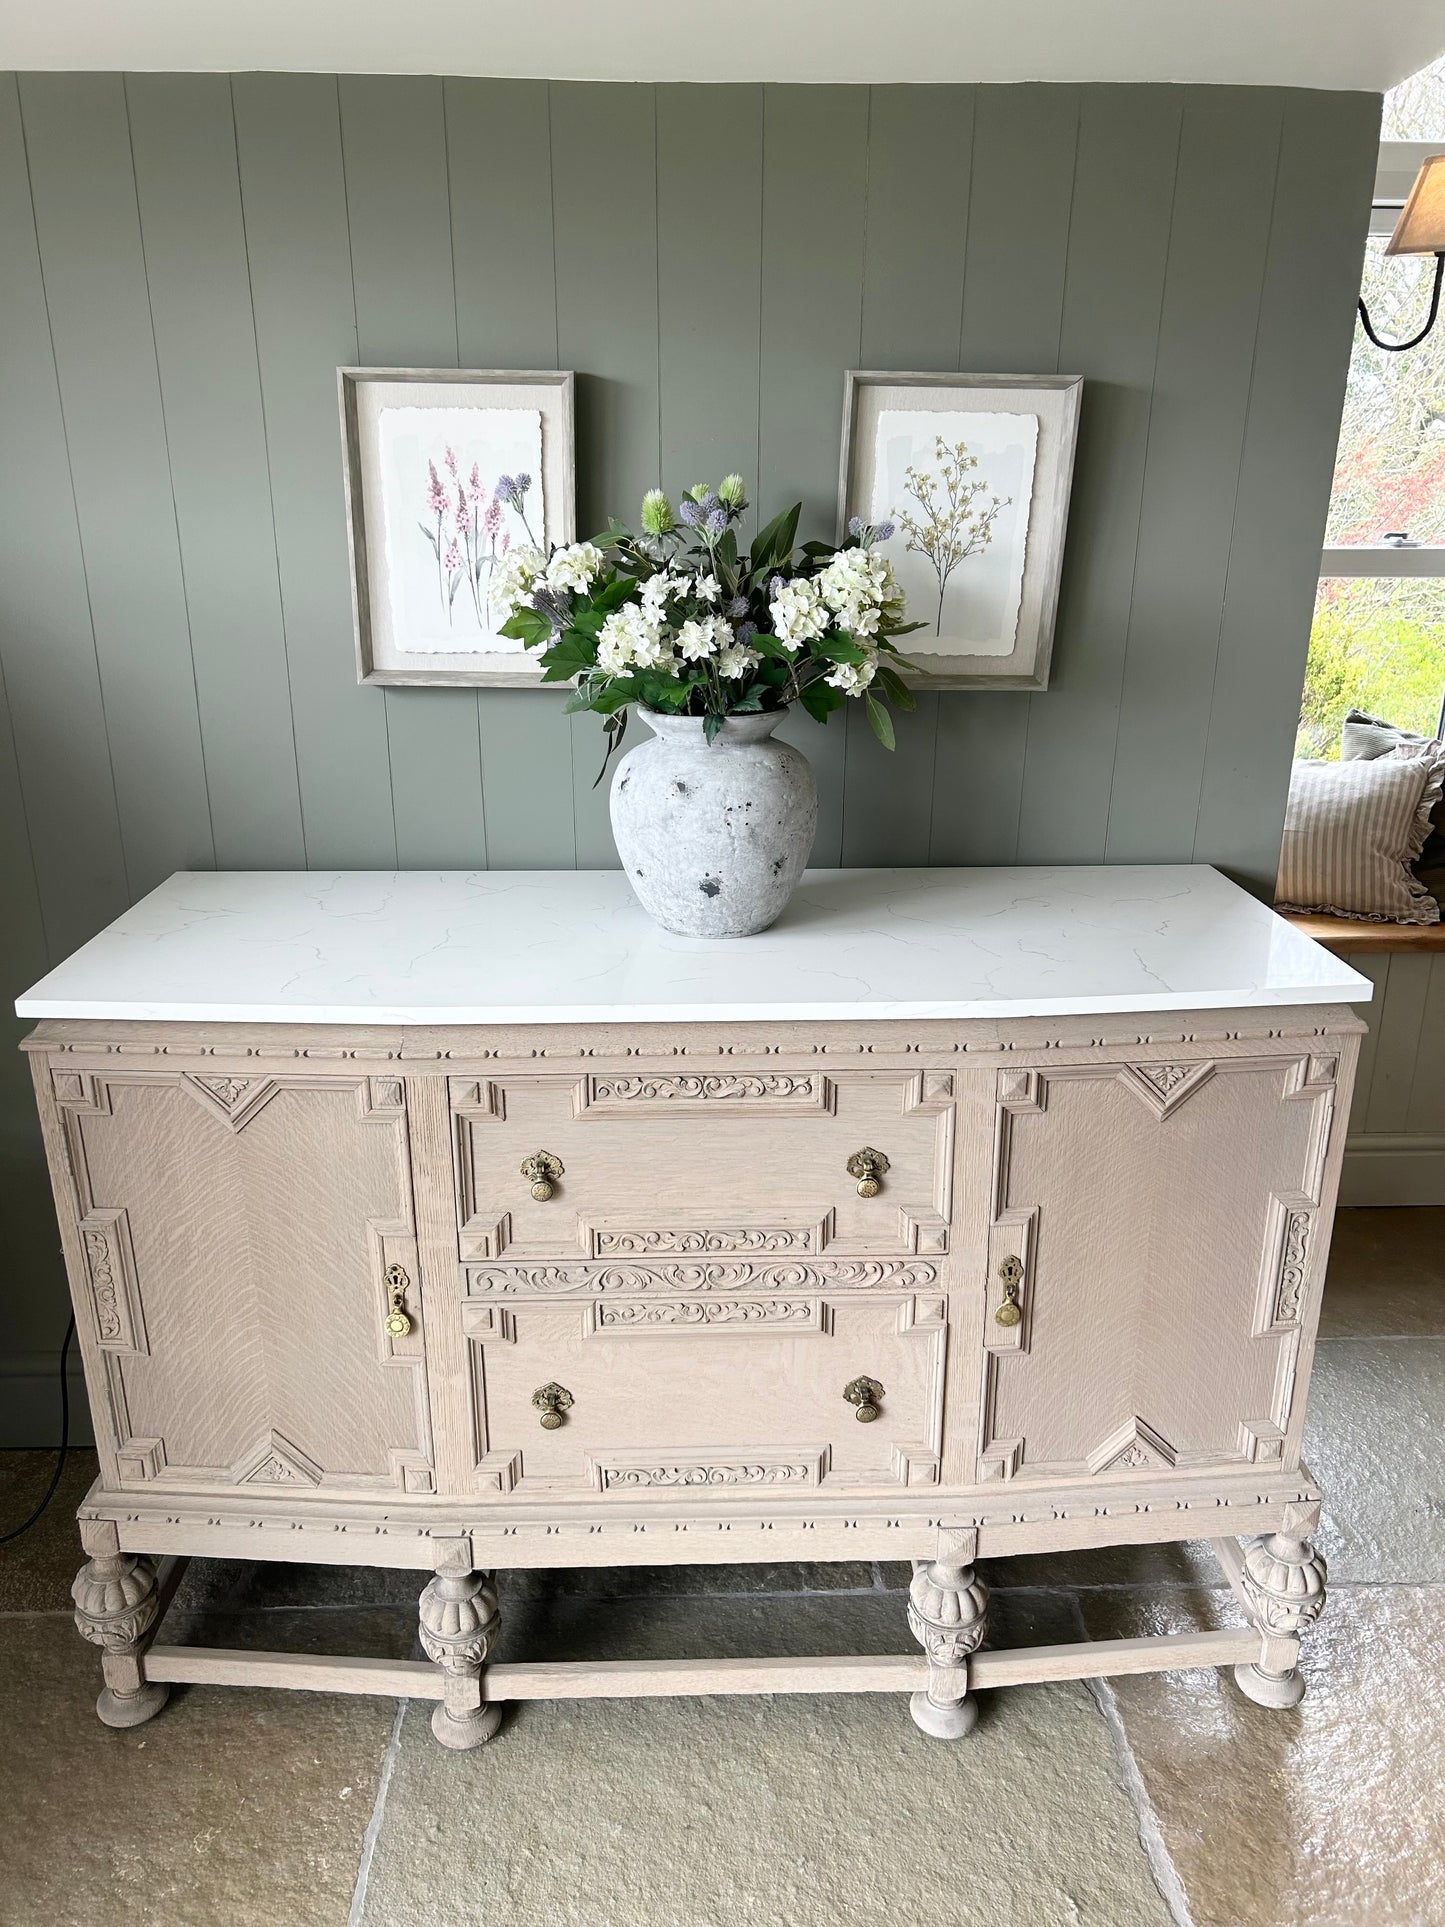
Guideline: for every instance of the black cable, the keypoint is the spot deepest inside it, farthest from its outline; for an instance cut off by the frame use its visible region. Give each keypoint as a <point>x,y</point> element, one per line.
<point>6,1537</point>
<point>1399,347</point>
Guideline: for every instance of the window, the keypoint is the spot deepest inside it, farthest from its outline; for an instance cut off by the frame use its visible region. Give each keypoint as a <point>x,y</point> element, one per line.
<point>1378,638</point>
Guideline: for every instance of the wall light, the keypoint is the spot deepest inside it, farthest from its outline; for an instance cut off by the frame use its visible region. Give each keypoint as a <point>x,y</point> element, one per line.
<point>1419,230</point>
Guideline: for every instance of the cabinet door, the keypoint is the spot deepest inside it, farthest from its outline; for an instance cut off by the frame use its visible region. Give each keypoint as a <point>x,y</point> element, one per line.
<point>236,1233</point>
<point>1160,1221</point>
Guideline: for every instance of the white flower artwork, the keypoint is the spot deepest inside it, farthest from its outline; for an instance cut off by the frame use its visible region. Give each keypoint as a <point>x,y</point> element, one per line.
<point>460,488</point>
<point>957,487</point>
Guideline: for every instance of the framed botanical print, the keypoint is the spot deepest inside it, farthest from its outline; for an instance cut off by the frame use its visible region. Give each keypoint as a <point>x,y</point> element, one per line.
<point>967,478</point>
<point>446,470</point>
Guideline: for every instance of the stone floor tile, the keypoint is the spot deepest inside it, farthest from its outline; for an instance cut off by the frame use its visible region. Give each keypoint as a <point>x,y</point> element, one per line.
<point>754,1812</point>
<point>618,1581</point>
<point>1373,1440</point>
<point>233,1808</point>
<point>1329,1815</point>
<point>37,1568</point>
<point>1386,1274</point>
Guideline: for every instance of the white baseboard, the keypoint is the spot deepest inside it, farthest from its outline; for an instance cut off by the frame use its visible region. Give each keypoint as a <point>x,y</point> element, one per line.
<point>1382,1168</point>
<point>30,1401</point>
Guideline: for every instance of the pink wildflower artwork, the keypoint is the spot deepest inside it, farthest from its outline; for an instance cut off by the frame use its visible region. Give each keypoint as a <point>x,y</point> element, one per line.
<point>451,462</point>
<point>475,487</point>
<point>464,514</point>
<point>436,495</point>
<point>453,558</point>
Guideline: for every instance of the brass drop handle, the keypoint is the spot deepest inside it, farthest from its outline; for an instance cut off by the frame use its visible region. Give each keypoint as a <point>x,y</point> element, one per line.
<point>868,1167</point>
<point>866,1394</point>
<point>1010,1311</point>
<point>552,1401</point>
<point>398,1324</point>
<point>542,1171</point>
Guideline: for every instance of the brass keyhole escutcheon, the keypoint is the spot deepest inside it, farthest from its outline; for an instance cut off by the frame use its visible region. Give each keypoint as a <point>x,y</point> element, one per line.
<point>552,1401</point>
<point>868,1167</point>
<point>1012,1273</point>
<point>398,1324</point>
<point>867,1395</point>
<point>542,1171</point>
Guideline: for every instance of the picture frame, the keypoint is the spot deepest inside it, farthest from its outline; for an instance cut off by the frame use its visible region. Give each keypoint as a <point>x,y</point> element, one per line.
<point>427,454</point>
<point>970,469</point>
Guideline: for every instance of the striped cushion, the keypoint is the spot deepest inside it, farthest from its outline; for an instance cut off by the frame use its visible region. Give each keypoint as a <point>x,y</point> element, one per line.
<point>1351,832</point>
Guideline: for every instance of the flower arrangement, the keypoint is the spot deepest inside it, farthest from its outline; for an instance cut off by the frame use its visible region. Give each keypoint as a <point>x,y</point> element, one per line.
<point>681,619</point>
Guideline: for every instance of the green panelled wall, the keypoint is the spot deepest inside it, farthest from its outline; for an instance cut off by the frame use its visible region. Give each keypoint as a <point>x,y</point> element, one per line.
<point>185,260</point>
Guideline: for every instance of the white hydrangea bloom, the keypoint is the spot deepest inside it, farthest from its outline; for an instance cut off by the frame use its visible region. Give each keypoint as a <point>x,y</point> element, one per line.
<point>695,641</point>
<point>853,677</point>
<point>736,660</point>
<point>513,577</point>
<point>632,637</point>
<point>573,568</point>
<point>859,587</point>
<point>798,613</point>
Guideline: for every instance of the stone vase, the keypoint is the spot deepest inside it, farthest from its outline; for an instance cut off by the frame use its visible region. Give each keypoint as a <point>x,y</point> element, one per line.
<point>714,837</point>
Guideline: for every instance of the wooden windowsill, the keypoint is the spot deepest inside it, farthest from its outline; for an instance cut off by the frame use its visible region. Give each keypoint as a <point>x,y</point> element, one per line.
<point>1344,934</point>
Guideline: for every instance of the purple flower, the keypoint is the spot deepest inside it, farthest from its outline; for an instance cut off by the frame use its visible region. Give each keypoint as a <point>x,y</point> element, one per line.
<point>738,607</point>
<point>855,525</point>
<point>512,489</point>
<point>690,512</point>
<point>744,633</point>
<point>717,521</point>
<point>884,532</point>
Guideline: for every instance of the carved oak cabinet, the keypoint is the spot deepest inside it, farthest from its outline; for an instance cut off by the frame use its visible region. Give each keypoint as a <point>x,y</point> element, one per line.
<point>467,1222</point>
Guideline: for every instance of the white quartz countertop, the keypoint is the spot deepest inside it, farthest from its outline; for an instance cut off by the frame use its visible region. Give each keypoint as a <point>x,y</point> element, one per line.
<point>567,946</point>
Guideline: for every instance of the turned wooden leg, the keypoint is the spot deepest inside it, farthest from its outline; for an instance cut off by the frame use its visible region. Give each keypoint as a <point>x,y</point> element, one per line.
<point>947,1608</point>
<point>1283,1583</point>
<point>459,1621</point>
<point>116,1606</point>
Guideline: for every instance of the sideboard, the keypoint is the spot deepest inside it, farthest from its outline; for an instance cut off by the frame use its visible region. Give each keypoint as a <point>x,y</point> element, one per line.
<point>467,1222</point>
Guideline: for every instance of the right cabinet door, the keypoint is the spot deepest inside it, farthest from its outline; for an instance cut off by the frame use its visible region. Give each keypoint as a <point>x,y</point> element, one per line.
<point>1153,1248</point>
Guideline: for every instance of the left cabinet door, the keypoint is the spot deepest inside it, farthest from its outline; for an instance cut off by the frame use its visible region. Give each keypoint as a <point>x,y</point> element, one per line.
<point>234,1236</point>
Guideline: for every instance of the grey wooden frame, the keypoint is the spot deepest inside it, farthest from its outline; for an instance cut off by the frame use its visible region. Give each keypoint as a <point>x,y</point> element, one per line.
<point>472,670</point>
<point>1050,513</point>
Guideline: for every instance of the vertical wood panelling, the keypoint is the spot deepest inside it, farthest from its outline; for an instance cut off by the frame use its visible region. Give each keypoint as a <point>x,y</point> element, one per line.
<point>920,152</point>
<point>394,148</point>
<point>506,305</point>
<point>1307,318</point>
<point>1025,141</point>
<point>293,195</point>
<point>47,647</point>
<point>1218,240</point>
<point>188,189</point>
<point>604,192</point>
<point>815,173</point>
<point>1377,969</point>
<point>78,142</point>
<point>189,258</point>
<point>1118,243</point>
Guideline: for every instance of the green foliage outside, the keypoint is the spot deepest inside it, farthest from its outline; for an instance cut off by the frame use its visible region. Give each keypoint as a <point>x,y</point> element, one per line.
<point>1378,644</point>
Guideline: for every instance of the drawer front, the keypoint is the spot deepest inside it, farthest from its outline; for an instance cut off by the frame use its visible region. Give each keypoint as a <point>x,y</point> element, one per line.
<point>1155,1249</point>
<point>713,1390</point>
<point>695,1163</point>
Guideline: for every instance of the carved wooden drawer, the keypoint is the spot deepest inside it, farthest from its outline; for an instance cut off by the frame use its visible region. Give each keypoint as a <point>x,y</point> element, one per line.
<point>692,1162</point>
<point>1153,1255</point>
<point>606,1394</point>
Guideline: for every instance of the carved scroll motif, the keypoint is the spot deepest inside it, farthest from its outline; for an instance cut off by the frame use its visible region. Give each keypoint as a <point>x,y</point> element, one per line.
<point>881,1274</point>
<point>718,1472</point>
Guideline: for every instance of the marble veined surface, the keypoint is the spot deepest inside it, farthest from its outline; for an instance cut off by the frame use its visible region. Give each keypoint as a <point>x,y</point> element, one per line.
<point>567,946</point>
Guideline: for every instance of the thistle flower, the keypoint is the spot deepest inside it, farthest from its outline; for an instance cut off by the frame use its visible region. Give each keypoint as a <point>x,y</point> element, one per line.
<point>552,604</point>
<point>856,525</point>
<point>512,489</point>
<point>716,521</point>
<point>657,516</point>
<point>436,495</point>
<point>732,493</point>
<point>699,491</point>
<point>689,513</point>
<point>883,531</point>
<point>738,607</point>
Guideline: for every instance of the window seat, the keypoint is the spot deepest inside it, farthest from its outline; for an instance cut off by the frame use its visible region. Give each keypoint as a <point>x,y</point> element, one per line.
<point>1344,934</point>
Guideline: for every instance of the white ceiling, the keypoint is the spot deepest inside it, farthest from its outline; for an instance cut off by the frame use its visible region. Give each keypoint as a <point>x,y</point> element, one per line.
<point>1305,43</point>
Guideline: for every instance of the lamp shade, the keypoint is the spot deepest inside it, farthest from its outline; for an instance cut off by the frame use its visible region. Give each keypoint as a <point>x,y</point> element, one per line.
<point>1421,226</point>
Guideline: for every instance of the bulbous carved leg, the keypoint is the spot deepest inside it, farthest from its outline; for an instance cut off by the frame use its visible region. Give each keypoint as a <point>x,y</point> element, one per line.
<point>1283,1580</point>
<point>115,1608</point>
<point>459,1621</point>
<point>947,1609</point>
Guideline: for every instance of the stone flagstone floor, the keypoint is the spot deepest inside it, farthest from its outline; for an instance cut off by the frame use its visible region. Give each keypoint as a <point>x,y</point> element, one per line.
<point>1135,1803</point>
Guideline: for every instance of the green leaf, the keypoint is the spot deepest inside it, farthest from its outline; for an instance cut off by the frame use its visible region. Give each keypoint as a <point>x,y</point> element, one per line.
<point>749,703</point>
<point>711,727</point>
<point>896,689</point>
<point>820,700</point>
<point>839,648</point>
<point>727,548</point>
<point>882,722</point>
<point>616,728</point>
<point>771,647</point>
<point>774,544</point>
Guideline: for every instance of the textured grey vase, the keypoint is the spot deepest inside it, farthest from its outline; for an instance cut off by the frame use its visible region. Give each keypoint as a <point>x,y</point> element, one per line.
<point>714,837</point>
